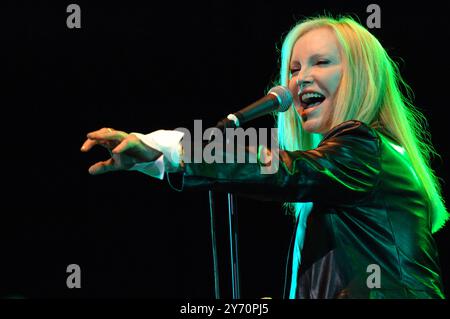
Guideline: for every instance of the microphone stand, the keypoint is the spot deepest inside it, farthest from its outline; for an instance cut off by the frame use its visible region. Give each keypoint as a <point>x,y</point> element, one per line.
<point>279,98</point>
<point>233,235</point>
<point>214,245</point>
<point>234,260</point>
<point>232,222</point>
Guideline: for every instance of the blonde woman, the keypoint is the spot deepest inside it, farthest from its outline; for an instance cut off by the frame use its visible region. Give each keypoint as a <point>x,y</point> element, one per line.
<point>354,169</point>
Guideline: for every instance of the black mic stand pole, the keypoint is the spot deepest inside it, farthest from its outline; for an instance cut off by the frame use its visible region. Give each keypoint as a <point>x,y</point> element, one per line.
<point>232,222</point>
<point>214,245</point>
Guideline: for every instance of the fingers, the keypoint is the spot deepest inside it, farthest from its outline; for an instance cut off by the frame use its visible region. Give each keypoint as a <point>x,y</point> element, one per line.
<point>102,133</point>
<point>127,143</point>
<point>102,167</point>
<point>88,144</point>
<point>104,136</point>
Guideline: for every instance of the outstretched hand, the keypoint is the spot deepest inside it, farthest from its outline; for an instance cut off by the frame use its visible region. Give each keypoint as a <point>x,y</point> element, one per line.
<point>125,149</point>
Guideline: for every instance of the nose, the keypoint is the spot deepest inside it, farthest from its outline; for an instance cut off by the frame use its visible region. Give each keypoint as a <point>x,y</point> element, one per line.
<point>303,80</point>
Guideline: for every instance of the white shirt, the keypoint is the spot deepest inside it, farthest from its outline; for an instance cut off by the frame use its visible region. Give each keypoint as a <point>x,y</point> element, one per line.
<point>168,143</point>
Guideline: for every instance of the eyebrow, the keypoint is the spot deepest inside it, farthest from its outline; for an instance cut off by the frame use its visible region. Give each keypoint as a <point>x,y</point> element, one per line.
<point>312,57</point>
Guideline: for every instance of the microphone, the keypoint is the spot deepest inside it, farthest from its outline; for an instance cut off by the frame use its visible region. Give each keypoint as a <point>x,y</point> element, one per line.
<point>278,99</point>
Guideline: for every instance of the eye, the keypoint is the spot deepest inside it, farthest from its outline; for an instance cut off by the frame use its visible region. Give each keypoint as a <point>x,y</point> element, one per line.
<point>322,62</point>
<point>294,70</point>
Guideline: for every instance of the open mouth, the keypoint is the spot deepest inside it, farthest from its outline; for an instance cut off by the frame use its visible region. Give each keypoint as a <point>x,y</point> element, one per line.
<point>311,99</point>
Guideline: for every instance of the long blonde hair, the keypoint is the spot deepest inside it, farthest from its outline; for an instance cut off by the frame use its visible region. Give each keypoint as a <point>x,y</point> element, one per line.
<point>370,91</point>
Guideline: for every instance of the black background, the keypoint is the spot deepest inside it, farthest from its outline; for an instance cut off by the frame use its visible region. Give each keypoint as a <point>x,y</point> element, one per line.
<point>141,67</point>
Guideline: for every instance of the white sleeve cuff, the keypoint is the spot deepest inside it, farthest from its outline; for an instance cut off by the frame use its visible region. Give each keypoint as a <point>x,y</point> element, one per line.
<point>168,143</point>
<point>153,169</point>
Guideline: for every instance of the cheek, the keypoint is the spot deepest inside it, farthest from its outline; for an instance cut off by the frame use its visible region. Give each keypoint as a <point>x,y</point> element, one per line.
<point>293,87</point>
<point>333,82</point>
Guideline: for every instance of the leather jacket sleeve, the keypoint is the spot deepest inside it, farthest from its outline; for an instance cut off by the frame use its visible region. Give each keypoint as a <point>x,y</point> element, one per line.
<point>343,169</point>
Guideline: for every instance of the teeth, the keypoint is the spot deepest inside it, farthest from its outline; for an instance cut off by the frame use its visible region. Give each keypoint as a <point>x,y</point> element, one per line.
<point>312,94</point>
<point>307,96</point>
<point>311,99</point>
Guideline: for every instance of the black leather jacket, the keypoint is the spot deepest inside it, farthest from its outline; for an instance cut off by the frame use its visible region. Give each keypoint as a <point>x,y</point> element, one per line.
<point>369,209</point>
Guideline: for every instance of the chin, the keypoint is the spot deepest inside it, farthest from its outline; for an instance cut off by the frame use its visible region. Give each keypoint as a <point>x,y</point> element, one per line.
<point>311,126</point>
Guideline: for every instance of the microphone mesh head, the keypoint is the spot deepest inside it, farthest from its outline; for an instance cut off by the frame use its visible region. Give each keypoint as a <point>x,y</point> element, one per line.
<point>284,97</point>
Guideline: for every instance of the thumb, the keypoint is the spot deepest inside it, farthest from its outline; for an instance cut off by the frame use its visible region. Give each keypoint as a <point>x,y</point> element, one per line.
<point>102,167</point>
